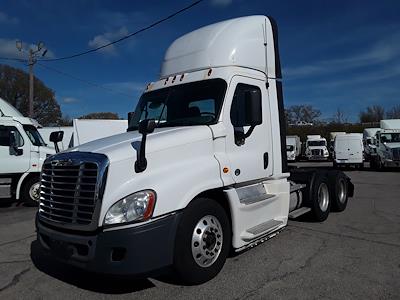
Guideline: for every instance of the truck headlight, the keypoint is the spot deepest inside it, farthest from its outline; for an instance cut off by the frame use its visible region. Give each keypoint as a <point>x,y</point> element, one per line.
<point>135,207</point>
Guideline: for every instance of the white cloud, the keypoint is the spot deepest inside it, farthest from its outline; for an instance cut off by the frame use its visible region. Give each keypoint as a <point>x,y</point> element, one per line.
<point>384,51</point>
<point>69,100</point>
<point>6,19</point>
<point>107,37</point>
<point>221,2</point>
<point>9,49</point>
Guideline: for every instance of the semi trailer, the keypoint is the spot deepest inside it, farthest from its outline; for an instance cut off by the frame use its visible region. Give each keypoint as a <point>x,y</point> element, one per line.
<point>22,153</point>
<point>201,170</point>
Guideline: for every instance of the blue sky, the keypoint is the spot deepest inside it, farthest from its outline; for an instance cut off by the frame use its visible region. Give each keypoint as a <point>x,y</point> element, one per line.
<point>334,53</point>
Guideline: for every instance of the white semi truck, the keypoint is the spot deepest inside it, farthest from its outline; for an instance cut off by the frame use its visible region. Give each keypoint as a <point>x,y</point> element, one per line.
<point>22,153</point>
<point>316,148</point>
<point>202,169</point>
<point>293,147</point>
<point>387,145</point>
<point>369,141</point>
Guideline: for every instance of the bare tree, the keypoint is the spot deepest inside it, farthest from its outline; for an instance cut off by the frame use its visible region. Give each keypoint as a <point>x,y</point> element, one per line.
<point>101,115</point>
<point>306,113</point>
<point>394,112</point>
<point>372,114</point>
<point>339,117</point>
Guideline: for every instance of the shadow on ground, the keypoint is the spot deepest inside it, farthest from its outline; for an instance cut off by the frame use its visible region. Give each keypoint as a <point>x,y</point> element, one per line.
<point>89,281</point>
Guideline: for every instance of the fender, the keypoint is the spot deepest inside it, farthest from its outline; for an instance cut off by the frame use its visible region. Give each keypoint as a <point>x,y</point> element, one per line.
<point>21,181</point>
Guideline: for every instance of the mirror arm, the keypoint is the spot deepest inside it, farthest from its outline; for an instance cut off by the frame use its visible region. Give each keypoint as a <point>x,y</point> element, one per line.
<point>249,132</point>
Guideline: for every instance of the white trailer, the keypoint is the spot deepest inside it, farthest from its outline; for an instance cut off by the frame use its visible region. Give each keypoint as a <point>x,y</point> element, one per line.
<point>201,170</point>
<point>293,147</point>
<point>387,145</point>
<point>316,148</point>
<point>22,153</point>
<point>348,150</point>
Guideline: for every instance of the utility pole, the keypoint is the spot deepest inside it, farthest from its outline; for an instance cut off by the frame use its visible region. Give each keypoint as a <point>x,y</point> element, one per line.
<point>32,59</point>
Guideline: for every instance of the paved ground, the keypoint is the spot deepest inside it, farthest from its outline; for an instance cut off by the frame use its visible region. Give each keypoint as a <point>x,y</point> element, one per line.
<point>354,254</point>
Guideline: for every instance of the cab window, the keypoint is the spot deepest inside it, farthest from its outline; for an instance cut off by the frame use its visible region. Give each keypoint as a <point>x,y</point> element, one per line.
<point>5,136</point>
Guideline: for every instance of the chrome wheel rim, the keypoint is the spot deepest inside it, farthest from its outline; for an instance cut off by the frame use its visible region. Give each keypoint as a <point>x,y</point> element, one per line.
<point>34,191</point>
<point>207,241</point>
<point>342,191</point>
<point>323,197</point>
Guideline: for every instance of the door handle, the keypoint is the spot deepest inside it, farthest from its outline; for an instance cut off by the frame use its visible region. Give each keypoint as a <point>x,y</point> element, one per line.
<point>266,160</point>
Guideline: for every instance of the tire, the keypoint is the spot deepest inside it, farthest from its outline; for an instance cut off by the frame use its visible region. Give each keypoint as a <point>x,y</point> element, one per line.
<point>30,191</point>
<point>338,189</point>
<point>319,197</point>
<point>198,236</point>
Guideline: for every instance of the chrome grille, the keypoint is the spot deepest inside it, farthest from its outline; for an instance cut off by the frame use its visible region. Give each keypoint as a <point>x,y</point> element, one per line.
<point>316,152</point>
<point>71,187</point>
<point>396,153</point>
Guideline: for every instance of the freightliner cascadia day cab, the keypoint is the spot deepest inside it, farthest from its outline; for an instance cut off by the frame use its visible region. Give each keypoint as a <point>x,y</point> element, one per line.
<point>348,150</point>
<point>22,153</point>
<point>293,147</point>
<point>316,148</point>
<point>202,169</point>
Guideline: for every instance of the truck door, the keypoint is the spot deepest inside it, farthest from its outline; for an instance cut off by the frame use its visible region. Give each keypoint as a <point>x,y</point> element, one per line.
<point>13,161</point>
<point>250,158</point>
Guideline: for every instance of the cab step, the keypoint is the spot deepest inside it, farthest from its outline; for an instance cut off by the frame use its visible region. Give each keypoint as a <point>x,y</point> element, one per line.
<point>299,212</point>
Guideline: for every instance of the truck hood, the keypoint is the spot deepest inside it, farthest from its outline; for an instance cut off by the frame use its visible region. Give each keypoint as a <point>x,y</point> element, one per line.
<point>392,145</point>
<point>125,145</point>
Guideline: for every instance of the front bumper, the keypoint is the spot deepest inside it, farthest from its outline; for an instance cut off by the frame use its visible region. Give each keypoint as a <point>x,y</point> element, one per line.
<point>391,163</point>
<point>131,251</point>
<point>317,157</point>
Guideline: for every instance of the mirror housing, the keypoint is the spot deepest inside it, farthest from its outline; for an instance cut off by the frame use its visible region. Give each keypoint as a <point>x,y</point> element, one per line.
<point>145,126</point>
<point>55,137</point>
<point>130,115</point>
<point>14,150</point>
<point>253,108</point>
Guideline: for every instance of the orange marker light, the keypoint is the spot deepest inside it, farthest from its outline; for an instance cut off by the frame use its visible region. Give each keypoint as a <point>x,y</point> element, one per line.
<point>225,170</point>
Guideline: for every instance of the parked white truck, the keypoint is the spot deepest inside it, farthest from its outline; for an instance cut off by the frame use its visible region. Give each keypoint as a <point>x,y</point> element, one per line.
<point>387,145</point>
<point>22,153</point>
<point>201,170</point>
<point>316,148</point>
<point>84,131</point>
<point>369,141</point>
<point>348,150</point>
<point>293,147</point>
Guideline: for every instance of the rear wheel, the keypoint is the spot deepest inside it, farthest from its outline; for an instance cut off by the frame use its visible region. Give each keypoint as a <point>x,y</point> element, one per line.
<point>319,199</point>
<point>203,241</point>
<point>338,188</point>
<point>30,192</point>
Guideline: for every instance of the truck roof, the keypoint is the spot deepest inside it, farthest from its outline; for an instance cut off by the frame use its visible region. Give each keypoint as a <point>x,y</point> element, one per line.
<point>7,110</point>
<point>249,42</point>
<point>370,132</point>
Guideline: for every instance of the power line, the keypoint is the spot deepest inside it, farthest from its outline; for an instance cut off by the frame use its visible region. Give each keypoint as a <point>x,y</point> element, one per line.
<point>13,59</point>
<point>127,36</point>
<point>84,81</point>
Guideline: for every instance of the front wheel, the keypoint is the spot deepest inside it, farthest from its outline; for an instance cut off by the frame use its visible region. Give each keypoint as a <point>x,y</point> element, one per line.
<point>30,192</point>
<point>202,242</point>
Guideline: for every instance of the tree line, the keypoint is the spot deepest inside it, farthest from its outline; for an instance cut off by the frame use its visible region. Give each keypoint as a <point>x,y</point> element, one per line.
<point>14,88</point>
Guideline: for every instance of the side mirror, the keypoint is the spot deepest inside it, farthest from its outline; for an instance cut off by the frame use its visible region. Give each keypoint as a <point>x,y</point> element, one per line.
<point>145,126</point>
<point>253,108</point>
<point>14,144</point>
<point>130,115</point>
<point>55,137</point>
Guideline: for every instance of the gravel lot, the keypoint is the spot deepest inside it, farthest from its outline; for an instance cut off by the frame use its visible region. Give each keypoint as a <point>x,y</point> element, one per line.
<point>354,254</point>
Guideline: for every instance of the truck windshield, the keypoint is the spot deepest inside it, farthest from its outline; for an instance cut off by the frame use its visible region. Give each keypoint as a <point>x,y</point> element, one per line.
<point>195,103</point>
<point>390,137</point>
<point>34,135</point>
<point>316,143</point>
<point>289,147</point>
